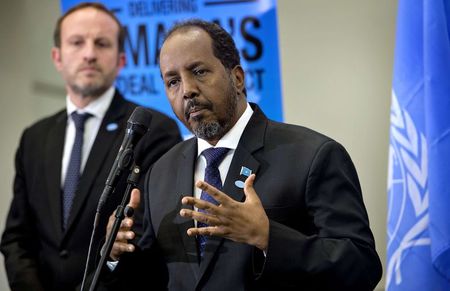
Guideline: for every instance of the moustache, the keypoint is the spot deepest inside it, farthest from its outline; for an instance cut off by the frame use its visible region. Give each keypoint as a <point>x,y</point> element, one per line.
<point>195,105</point>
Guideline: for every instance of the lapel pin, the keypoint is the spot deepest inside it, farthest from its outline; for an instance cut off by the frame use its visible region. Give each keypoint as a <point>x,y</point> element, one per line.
<point>239,184</point>
<point>245,171</point>
<point>112,126</point>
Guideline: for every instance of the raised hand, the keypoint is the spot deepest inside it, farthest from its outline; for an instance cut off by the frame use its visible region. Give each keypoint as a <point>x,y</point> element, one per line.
<point>245,222</point>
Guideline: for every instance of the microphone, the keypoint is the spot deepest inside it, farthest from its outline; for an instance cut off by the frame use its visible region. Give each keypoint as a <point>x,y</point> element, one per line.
<point>137,126</point>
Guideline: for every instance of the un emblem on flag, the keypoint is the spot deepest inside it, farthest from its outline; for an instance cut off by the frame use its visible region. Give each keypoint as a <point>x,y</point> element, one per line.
<point>407,191</point>
<point>396,190</point>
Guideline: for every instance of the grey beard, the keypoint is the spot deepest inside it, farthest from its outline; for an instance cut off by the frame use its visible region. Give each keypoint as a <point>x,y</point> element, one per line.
<point>90,91</point>
<point>208,131</point>
<point>217,129</point>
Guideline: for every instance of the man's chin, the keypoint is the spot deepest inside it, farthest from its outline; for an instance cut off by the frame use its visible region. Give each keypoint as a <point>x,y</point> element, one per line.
<point>90,90</point>
<point>207,130</point>
<point>194,122</point>
<point>90,83</point>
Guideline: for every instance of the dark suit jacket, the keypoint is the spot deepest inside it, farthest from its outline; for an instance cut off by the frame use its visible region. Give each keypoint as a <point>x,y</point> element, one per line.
<point>319,231</point>
<point>38,254</point>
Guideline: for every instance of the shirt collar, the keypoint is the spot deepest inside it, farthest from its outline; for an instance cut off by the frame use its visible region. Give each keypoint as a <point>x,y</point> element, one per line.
<point>231,138</point>
<point>97,107</point>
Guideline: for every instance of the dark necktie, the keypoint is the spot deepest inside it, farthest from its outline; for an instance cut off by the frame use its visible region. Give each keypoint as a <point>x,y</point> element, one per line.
<point>73,169</point>
<point>214,157</point>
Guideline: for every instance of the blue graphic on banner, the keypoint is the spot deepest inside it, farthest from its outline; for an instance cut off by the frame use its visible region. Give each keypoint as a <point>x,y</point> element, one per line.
<point>418,247</point>
<point>252,23</point>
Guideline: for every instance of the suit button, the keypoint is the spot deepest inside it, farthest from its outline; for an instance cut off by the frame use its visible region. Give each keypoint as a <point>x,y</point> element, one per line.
<point>64,254</point>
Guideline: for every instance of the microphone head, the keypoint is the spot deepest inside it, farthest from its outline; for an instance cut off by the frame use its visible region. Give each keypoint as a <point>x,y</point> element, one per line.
<point>139,121</point>
<point>141,116</point>
<point>137,126</point>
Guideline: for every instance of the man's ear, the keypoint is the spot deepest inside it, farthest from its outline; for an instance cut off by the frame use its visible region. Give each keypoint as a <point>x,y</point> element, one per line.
<point>122,60</point>
<point>56,58</point>
<point>238,76</point>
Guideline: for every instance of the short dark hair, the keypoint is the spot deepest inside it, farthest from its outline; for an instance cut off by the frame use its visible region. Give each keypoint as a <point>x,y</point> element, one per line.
<point>223,44</point>
<point>97,6</point>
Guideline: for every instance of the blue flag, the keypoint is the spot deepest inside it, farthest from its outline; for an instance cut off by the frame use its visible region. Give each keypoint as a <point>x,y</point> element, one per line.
<point>418,246</point>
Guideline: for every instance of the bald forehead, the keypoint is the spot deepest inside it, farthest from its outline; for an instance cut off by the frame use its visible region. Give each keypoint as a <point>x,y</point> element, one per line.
<point>190,33</point>
<point>188,39</point>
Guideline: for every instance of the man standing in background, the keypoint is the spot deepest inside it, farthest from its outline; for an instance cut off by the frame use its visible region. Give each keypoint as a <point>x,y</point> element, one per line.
<point>63,161</point>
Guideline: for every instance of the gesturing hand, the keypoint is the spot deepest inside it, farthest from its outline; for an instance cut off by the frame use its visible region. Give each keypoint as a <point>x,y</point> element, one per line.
<point>245,222</point>
<point>125,233</point>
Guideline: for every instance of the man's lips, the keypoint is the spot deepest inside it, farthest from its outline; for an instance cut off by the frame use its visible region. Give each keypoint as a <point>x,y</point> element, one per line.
<point>89,69</point>
<point>194,111</point>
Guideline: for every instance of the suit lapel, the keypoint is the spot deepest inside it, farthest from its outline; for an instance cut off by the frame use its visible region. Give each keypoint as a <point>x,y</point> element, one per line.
<point>252,139</point>
<point>184,186</point>
<point>52,165</point>
<point>104,142</point>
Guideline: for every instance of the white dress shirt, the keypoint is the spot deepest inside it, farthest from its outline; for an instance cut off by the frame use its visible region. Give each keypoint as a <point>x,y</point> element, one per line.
<point>230,140</point>
<point>97,108</point>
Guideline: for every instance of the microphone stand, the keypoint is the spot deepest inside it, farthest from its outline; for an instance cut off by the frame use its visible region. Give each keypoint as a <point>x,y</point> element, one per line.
<point>121,211</point>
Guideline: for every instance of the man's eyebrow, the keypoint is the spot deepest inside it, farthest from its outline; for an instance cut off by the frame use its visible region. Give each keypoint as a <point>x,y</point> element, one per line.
<point>194,64</point>
<point>74,36</point>
<point>168,74</point>
<point>188,67</point>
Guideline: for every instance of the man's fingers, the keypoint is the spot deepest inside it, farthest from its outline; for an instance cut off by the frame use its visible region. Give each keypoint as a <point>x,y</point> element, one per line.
<point>135,198</point>
<point>121,244</point>
<point>199,203</point>
<point>125,235</point>
<point>110,223</point>
<point>119,248</point>
<point>201,217</point>
<point>249,191</point>
<point>126,223</point>
<point>125,226</point>
<point>218,195</point>
<point>207,230</point>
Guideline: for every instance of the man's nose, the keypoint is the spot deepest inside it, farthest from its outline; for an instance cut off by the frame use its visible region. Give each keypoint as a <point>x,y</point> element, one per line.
<point>89,52</point>
<point>190,88</point>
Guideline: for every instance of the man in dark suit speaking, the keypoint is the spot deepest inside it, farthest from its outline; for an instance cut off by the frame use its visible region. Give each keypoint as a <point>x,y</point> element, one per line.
<point>63,160</point>
<point>249,203</point>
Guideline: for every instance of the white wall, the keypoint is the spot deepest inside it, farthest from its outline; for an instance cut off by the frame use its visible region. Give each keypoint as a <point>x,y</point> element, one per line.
<point>25,40</point>
<point>336,59</point>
